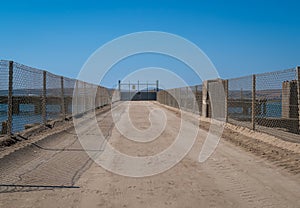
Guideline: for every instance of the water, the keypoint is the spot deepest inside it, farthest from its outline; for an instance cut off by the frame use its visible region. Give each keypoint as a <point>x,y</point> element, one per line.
<point>273,110</point>
<point>27,115</point>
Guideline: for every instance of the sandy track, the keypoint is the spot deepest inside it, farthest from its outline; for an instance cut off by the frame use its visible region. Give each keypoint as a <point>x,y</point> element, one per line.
<point>231,177</point>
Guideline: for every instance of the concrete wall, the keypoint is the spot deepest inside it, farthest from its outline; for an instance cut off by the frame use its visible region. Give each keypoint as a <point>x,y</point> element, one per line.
<point>290,99</point>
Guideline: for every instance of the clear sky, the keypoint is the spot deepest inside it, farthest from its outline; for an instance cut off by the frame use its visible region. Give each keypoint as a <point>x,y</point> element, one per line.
<point>240,37</point>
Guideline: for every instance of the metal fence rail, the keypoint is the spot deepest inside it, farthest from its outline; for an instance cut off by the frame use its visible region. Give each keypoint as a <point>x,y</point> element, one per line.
<point>29,97</point>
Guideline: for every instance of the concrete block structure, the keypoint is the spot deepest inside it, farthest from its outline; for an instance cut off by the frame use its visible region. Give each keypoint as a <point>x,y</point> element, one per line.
<point>216,88</point>
<point>290,105</point>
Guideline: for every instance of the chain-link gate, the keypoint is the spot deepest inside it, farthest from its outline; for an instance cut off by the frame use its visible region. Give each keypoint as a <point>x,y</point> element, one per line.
<point>138,91</point>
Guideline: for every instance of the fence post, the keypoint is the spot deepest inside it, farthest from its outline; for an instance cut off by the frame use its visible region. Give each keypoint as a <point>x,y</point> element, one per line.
<point>63,109</point>
<point>298,86</point>
<point>44,113</point>
<point>253,101</point>
<point>226,100</point>
<point>10,98</point>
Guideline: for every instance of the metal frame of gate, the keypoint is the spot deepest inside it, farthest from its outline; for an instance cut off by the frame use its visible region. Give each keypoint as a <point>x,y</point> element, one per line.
<point>138,90</point>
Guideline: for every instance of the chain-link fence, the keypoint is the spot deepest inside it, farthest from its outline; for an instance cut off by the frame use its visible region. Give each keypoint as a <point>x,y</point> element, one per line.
<point>187,98</point>
<point>3,95</point>
<point>240,101</point>
<point>138,90</point>
<point>30,97</point>
<point>26,96</point>
<point>268,102</point>
<point>53,96</point>
<point>69,85</point>
<point>277,107</point>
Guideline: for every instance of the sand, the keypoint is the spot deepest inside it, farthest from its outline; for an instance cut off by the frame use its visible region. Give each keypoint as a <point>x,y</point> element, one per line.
<point>242,171</point>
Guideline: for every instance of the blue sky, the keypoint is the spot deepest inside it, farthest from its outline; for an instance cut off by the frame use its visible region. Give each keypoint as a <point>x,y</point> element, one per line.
<point>240,37</point>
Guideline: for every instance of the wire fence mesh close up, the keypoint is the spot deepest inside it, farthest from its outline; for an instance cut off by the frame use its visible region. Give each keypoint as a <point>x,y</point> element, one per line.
<point>27,96</point>
<point>240,101</point>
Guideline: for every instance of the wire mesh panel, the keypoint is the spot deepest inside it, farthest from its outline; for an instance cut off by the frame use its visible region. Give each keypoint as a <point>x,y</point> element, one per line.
<point>102,94</point>
<point>30,96</point>
<point>183,98</point>
<point>90,92</point>
<point>161,96</point>
<point>191,101</point>
<point>97,98</point>
<point>79,96</point>
<point>68,93</point>
<point>115,95</point>
<point>198,96</point>
<point>177,96</point>
<point>3,95</point>
<point>106,96</point>
<point>277,102</point>
<point>54,97</point>
<point>125,92</point>
<point>240,101</point>
<point>35,91</point>
<point>187,98</point>
<point>170,97</point>
<point>27,95</point>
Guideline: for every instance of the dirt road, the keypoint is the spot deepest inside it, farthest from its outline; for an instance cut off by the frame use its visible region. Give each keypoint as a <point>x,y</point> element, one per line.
<point>56,172</point>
